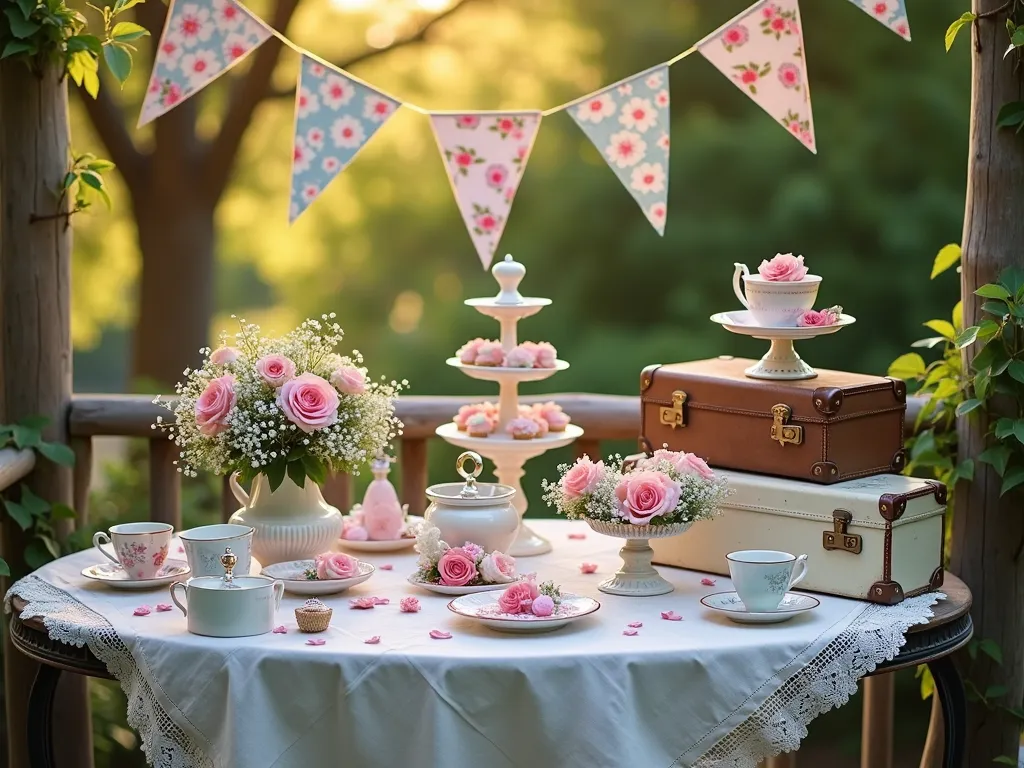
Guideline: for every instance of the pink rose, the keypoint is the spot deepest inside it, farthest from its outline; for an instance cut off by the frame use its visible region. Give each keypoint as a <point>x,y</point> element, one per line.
<point>309,402</point>
<point>647,494</point>
<point>214,404</point>
<point>362,603</point>
<point>588,567</point>
<point>275,370</point>
<point>811,318</point>
<point>335,565</point>
<point>517,599</point>
<point>683,463</point>
<point>784,268</point>
<point>543,606</point>
<point>546,355</point>
<point>224,355</point>
<point>355,533</point>
<point>498,568</point>
<point>456,567</point>
<point>349,380</point>
<point>582,478</point>
<point>409,605</point>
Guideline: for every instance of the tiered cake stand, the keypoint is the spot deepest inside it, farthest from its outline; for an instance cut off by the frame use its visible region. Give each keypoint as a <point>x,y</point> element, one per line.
<point>508,454</point>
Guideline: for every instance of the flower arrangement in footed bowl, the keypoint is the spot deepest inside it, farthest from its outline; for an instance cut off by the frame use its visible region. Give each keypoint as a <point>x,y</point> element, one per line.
<point>274,413</point>
<point>660,495</point>
<point>459,570</point>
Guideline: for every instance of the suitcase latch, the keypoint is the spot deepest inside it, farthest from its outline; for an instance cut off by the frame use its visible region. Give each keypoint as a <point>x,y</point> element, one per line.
<point>838,538</point>
<point>672,416</point>
<point>783,432</point>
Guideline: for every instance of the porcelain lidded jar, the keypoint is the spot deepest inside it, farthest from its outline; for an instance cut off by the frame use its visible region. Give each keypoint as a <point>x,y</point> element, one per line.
<point>481,513</point>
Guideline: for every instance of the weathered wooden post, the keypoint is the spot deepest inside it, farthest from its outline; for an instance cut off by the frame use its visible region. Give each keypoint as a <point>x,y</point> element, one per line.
<point>35,345</point>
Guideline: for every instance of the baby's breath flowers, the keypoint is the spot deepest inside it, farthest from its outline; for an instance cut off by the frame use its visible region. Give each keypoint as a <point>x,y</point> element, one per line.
<point>287,406</point>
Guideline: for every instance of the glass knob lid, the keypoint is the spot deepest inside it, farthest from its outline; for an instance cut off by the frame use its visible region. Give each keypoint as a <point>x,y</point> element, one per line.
<point>469,490</point>
<point>229,560</point>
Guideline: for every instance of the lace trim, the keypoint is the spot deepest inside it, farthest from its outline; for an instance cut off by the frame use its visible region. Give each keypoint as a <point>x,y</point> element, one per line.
<point>68,621</point>
<point>826,682</point>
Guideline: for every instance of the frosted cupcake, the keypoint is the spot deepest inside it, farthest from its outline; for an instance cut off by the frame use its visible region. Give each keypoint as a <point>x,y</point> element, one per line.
<point>557,420</point>
<point>545,355</point>
<point>523,428</point>
<point>490,354</point>
<point>466,411</point>
<point>479,425</point>
<point>544,410</point>
<point>542,425</point>
<point>313,616</point>
<point>521,357</point>
<point>467,352</point>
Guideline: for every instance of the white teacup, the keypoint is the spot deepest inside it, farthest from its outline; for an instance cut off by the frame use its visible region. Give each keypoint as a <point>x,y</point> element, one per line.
<point>139,548</point>
<point>205,545</point>
<point>775,303</point>
<point>763,576</point>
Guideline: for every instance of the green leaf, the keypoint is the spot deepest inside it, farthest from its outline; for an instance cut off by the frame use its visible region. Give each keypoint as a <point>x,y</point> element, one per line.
<point>15,47</point>
<point>91,82</point>
<point>942,327</point>
<point>927,682</point>
<point>997,308</point>
<point>58,453</point>
<point>20,26</point>
<point>1012,279</point>
<point>100,165</point>
<point>1017,712</point>
<point>1004,760</point>
<point>124,5</point>
<point>27,7</point>
<point>51,546</point>
<point>1010,114</point>
<point>987,329</point>
<point>908,366</point>
<point>967,406</point>
<point>945,258</point>
<point>932,341</point>
<point>25,437</point>
<point>967,337</point>
<point>1018,430</point>
<point>275,474</point>
<point>993,291</point>
<point>31,503</point>
<point>1011,480</point>
<point>37,423</point>
<point>5,569</point>
<point>1016,369</point>
<point>18,514</point>
<point>963,471</point>
<point>998,456</point>
<point>37,554</point>
<point>982,381</point>
<point>991,649</point>
<point>95,181</point>
<point>89,43</point>
<point>994,691</point>
<point>126,31</point>
<point>957,315</point>
<point>62,512</point>
<point>69,179</point>
<point>119,61</point>
<point>1004,428</point>
<point>297,473</point>
<point>966,18</point>
<point>314,468</point>
<point>1016,34</point>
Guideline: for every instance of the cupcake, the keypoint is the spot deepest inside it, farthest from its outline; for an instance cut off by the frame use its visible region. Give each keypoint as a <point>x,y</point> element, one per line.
<point>479,425</point>
<point>544,410</point>
<point>521,357</point>
<point>465,412</point>
<point>542,425</point>
<point>490,354</point>
<point>523,428</point>
<point>467,352</point>
<point>545,354</point>
<point>557,421</point>
<point>313,616</point>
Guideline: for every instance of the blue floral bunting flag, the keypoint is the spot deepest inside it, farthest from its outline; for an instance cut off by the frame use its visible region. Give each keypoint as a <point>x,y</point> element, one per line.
<point>335,116</point>
<point>629,125</point>
<point>892,13</point>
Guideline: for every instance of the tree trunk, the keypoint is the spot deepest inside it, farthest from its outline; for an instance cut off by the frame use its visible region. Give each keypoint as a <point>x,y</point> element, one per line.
<point>35,344</point>
<point>988,531</point>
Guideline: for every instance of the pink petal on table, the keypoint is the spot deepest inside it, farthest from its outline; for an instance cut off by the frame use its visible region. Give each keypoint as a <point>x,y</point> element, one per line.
<point>281,630</point>
<point>315,641</point>
<point>143,610</point>
<point>437,634</point>
<point>181,549</point>
<point>635,624</point>
<point>630,632</point>
<point>708,582</point>
<point>372,640</point>
<point>163,607</point>
<point>588,567</point>
<point>387,567</point>
<point>671,616</point>
<point>362,602</point>
<point>409,605</point>
<point>381,600</point>
<point>577,535</point>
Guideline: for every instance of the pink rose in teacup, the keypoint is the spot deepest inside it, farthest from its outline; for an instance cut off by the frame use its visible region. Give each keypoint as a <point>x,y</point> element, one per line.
<point>645,495</point>
<point>582,478</point>
<point>456,568</point>
<point>778,293</point>
<point>214,404</point>
<point>224,355</point>
<point>498,568</point>
<point>275,370</point>
<point>784,267</point>
<point>349,380</point>
<point>336,565</point>
<point>309,402</point>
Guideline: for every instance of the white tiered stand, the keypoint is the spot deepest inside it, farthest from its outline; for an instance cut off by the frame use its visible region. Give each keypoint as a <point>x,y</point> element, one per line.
<point>508,454</point>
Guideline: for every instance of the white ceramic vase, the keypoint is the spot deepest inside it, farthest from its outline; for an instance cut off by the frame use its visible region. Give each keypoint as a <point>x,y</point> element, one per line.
<point>636,577</point>
<point>291,523</point>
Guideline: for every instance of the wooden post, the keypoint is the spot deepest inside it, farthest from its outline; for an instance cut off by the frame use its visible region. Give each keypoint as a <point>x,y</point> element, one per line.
<point>876,727</point>
<point>82,477</point>
<point>988,529</point>
<point>35,344</point>
<point>414,474</point>
<point>338,492</point>
<point>934,745</point>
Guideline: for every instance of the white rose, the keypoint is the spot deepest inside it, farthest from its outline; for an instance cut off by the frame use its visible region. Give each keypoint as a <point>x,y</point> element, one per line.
<point>498,568</point>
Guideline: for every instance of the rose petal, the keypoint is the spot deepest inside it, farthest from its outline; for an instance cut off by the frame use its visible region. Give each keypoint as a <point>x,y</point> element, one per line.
<point>281,630</point>
<point>380,600</point>
<point>671,616</point>
<point>630,632</point>
<point>635,624</point>
<point>387,567</point>
<point>708,582</point>
<point>315,641</point>
<point>437,634</point>
<point>163,607</point>
<point>143,610</point>
<point>372,640</point>
<point>409,605</point>
<point>588,567</point>
<point>362,603</point>
<point>181,549</point>
<point>577,535</point>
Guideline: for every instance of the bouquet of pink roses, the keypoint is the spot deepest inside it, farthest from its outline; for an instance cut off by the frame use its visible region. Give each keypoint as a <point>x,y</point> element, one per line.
<point>663,489</point>
<point>465,566</point>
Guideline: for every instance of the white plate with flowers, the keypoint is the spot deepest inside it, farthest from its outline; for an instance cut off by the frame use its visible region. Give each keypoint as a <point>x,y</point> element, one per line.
<point>353,522</point>
<point>322,575</point>
<point>445,589</point>
<point>117,577</point>
<point>505,612</point>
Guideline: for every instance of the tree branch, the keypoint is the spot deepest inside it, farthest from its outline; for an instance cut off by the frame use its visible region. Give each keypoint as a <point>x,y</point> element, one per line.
<point>107,119</point>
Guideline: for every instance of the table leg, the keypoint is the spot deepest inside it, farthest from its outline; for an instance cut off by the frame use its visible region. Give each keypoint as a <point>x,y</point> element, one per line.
<point>40,717</point>
<point>949,687</point>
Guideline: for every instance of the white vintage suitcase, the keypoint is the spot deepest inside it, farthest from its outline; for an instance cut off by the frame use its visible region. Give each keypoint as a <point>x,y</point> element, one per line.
<point>876,538</point>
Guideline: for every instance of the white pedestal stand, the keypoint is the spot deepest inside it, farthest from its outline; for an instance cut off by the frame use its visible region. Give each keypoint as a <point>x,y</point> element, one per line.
<point>636,577</point>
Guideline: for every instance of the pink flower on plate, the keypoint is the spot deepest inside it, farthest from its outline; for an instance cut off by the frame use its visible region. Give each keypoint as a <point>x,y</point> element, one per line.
<point>498,568</point>
<point>814,319</point>
<point>224,355</point>
<point>386,567</point>
<point>708,582</point>
<point>784,267</point>
<point>735,36</point>
<point>372,640</point>
<point>275,370</point>
<point>582,478</point>
<point>790,75</point>
<point>335,565</point>
<point>588,567</point>
<point>438,634</point>
<point>349,380</point>
<point>543,606</point>
<point>671,616</point>
<point>630,632</point>
<point>645,495</point>
<point>683,463</point>
<point>635,624</point>
<point>280,630</point>
<point>164,607</point>
<point>496,176</point>
<point>362,603</point>
<point>577,535</point>
<point>309,402</point>
<point>456,568</point>
<point>409,605</point>
<point>316,641</point>
<point>214,404</point>
<point>142,610</point>
<point>517,598</point>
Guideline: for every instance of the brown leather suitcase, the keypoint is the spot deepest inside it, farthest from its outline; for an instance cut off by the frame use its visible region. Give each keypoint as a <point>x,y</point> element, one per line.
<point>835,427</point>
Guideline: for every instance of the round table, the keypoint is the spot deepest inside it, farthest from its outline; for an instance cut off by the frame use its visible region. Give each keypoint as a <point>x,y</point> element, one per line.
<point>931,643</point>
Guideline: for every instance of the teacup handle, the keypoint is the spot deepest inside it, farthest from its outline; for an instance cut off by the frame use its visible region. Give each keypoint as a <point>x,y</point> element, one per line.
<point>278,593</point>
<point>737,285</point>
<point>801,563</point>
<point>238,490</point>
<point>174,597</point>
<point>100,537</point>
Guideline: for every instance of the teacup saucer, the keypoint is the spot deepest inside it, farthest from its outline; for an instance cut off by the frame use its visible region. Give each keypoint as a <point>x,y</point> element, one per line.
<point>115,576</point>
<point>729,604</point>
<point>293,575</point>
<point>742,322</point>
<point>412,523</point>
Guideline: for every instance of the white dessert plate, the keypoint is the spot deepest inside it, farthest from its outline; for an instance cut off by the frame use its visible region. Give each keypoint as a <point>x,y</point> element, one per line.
<point>443,589</point>
<point>116,577</point>
<point>293,575</point>
<point>483,608</point>
<point>729,604</point>
<point>389,545</point>
<point>498,373</point>
<point>501,443</point>
<point>742,322</point>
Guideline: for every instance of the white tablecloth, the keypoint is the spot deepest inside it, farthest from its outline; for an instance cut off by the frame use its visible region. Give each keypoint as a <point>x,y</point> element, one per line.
<point>698,692</point>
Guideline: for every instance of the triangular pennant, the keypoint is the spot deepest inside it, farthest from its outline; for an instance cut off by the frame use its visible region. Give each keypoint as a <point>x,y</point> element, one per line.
<point>762,53</point>
<point>485,154</point>
<point>629,125</point>
<point>335,116</point>
<point>892,13</point>
<point>201,40</point>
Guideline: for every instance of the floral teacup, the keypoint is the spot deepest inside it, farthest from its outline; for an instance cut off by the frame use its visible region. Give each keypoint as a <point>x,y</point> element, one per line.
<point>139,548</point>
<point>763,576</point>
<point>775,303</point>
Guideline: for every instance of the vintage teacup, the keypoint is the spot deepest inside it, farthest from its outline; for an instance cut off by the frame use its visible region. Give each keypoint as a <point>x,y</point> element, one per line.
<point>763,576</point>
<point>139,548</point>
<point>775,303</point>
<point>205,545</point>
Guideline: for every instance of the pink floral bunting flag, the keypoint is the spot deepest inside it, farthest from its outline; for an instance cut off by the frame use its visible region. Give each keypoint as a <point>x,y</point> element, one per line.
<point>629,125</point>
<point>762,53</point>
<point>485,154</point>
<point>335,116</point>
<point>201,40</point>
<point>892,13</point>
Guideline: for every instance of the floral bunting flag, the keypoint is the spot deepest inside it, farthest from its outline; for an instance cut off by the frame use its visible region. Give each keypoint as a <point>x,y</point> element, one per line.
<point>201,40</point>
<point>892,13</point>
<point>629,125</point>
<point>485,154</point>
<point>335,116</point>
<point>762,53</point>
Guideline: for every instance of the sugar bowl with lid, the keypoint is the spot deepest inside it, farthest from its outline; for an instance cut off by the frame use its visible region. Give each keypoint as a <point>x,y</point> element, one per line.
<point>229,605</point>
<point>481,513</point>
